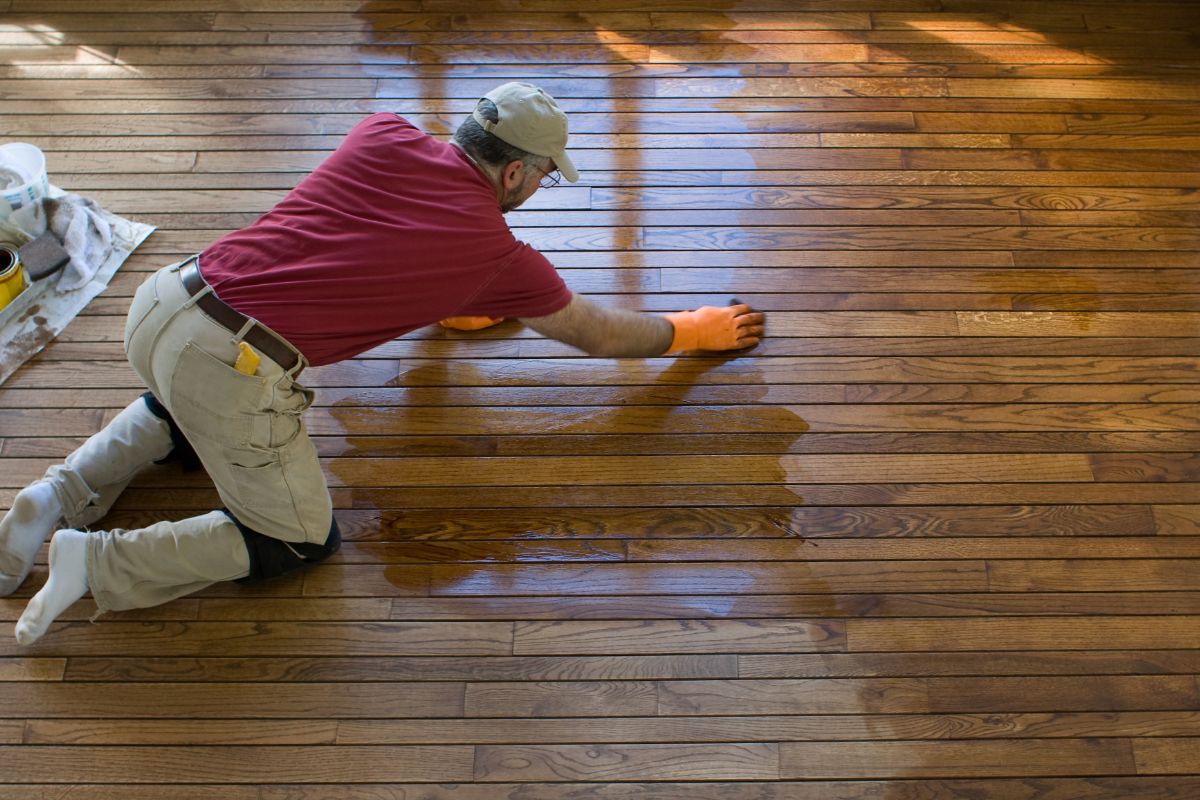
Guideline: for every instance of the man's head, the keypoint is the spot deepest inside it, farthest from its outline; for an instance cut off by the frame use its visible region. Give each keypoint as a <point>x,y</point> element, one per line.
<point>518,135</point>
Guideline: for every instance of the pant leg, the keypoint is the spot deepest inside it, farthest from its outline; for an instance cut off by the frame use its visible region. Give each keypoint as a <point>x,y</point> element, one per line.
<point>156,564</point>
<point>92,477</point>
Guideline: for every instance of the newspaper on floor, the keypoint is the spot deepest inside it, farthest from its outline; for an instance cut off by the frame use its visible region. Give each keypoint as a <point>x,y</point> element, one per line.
<point>45,308</point>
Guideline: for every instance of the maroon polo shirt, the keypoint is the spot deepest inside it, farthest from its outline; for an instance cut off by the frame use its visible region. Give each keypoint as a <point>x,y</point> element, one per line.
<point>394,231</point>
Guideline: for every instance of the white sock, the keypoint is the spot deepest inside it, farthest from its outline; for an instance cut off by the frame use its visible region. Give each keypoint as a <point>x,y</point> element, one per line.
<point>33,517</point>
<point>67,583</point>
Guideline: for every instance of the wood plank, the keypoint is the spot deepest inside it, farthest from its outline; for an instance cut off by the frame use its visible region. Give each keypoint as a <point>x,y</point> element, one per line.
<point>675,158</point>
<point>1118,89</point>
<point>618,178</point>
<point>35,403</point>
<point>883,237</point>
<point>1083,574</point>
<point>32,669</point>
<point>1177,520</point>
<point>228,700</point>
<point>578,372</point>
<point>619,126</point>
<point>1132,633</point>
<point>980,663</point>
<point>280,639</point>
<point>890,197</point>
<point>986,547</point>
<point>1167,756</point>
<point>914,494</point>
<point>616,730</point>
<point>865,522</point>
<point>722,636</point>
<point>340,669</point>
<point>956,759</point>
<point>11,731</point>
<point>78,732</point>
<point>590,470</point>
<point>919,695</point>
<point>92,340</point>
<point>418,103</point>
<point>734,607</point>
<point>665,444</point>
<point>573,699</point>
<point>1165,787</point>
<point>584,471</point>
<point>507,580</point>
<point>626,762</point>
<point>235,764</point>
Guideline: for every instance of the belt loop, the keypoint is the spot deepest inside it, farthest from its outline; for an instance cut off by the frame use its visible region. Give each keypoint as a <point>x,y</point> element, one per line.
<point>241,333</point>
<point>300,365</point>
<point>191,301</point>
<point>176,267</point>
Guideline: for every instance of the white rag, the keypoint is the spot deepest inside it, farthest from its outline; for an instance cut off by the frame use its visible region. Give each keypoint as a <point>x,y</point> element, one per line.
<point>80,224</point>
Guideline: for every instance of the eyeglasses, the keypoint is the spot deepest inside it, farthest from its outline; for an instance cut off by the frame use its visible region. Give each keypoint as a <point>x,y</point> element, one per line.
<point>550,179</point>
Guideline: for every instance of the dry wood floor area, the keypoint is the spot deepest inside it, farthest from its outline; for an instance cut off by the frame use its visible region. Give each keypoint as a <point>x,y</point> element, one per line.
<point>938,538</point>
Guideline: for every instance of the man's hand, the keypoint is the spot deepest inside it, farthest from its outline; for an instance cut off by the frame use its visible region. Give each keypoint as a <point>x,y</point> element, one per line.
<point>735,327</point>
<point>470,323</point>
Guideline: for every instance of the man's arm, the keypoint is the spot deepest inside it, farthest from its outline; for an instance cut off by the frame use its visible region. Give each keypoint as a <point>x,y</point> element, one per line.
<point>606,332</point>
<point>613,333</point>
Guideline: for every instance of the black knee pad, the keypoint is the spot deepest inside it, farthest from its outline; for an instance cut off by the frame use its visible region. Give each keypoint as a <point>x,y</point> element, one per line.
<point>270,558</point>
<point>182,451</point>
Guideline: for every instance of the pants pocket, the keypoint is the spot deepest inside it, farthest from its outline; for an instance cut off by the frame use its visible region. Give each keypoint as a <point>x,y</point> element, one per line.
<point>264,499</point>
<point>280,493</point>
<point>210,399</point>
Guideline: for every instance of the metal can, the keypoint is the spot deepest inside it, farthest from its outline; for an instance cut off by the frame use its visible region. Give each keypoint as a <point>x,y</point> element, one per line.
<point>12,275</point>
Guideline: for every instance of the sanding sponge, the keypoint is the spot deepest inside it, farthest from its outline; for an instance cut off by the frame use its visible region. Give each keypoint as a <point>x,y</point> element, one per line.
<point>43,256</point>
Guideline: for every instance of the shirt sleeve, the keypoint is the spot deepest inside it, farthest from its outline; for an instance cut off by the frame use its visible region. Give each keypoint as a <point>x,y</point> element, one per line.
<point>528,286</point>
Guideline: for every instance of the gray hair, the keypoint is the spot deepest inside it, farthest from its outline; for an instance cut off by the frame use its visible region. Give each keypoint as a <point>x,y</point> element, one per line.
<point>490,150</point>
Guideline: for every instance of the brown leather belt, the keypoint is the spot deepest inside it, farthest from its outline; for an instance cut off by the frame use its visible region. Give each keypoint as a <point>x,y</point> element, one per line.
<point>262,339</point>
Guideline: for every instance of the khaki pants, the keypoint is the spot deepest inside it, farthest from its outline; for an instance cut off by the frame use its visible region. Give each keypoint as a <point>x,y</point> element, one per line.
<point>247,431</point>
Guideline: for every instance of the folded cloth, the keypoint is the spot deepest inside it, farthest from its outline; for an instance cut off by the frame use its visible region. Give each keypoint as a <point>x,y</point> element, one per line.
<point>85,233</point>
<point>82,227</point>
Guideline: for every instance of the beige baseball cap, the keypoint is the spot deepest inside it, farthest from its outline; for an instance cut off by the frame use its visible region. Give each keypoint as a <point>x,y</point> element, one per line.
<point>531,120</point>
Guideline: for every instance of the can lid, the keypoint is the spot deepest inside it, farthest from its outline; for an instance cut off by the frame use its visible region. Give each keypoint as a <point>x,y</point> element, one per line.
<point>10,260</point>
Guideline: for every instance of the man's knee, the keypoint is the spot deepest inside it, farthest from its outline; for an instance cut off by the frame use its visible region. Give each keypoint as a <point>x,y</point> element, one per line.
<point>270,558</point>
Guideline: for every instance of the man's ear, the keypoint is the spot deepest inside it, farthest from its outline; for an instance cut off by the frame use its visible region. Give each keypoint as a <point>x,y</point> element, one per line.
<point>513,173</point>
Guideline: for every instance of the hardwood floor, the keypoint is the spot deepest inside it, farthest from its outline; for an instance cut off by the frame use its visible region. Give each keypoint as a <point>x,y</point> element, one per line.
<point>937,538</point>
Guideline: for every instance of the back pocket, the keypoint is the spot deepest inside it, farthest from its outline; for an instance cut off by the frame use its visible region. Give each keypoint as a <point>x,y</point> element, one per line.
<point>211,399</point>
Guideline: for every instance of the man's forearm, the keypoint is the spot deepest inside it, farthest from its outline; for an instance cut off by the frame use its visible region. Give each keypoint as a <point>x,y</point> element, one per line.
<point>606,331</point>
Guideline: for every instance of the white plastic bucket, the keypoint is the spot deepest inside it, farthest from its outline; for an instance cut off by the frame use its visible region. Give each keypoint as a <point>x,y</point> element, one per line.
<point>29,163</point>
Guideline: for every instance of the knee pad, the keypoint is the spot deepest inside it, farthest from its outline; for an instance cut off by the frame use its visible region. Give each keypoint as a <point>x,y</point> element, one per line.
<point>270,558</point>
<point>182,450</point>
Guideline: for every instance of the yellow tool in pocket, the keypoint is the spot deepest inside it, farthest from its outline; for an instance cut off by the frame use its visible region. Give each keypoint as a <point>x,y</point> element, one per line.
<point>247,360</point>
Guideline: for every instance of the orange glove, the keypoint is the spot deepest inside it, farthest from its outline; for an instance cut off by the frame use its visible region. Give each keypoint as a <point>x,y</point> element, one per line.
<point>709,328</point>
<point>470,323</point>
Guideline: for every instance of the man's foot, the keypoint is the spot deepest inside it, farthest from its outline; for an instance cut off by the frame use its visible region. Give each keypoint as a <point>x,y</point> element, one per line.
<point>33,517</point>
<point>470,323</point>
<point>67,583</point>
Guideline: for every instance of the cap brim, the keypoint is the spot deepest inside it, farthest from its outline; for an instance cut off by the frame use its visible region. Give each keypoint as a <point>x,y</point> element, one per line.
<point>566,166</point>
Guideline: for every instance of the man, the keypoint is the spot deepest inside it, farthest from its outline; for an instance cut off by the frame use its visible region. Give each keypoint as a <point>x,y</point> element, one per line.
<point>395,231</point>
